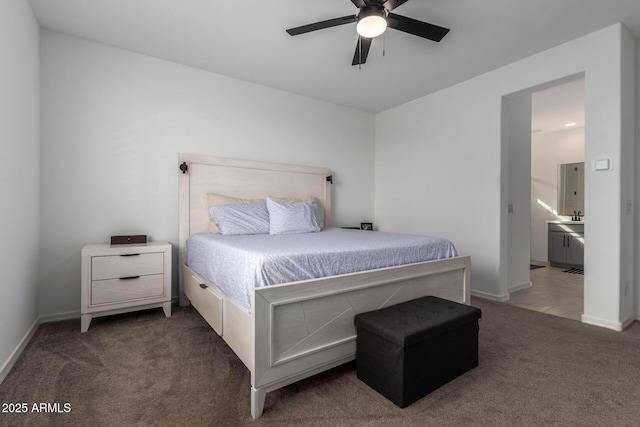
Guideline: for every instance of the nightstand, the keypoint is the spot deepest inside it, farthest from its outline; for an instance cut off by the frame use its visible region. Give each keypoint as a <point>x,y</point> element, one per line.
<point>122,278</point>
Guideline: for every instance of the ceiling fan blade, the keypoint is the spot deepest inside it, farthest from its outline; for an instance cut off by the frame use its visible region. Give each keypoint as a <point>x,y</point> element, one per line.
<point>359,3</point>
<point>366,44</point>
<point>417,28</point>
<point>322,25</point>
<point>392,4</point>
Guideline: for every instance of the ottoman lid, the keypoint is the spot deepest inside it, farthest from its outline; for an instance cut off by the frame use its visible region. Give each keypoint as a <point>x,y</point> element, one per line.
<point>417,320</point>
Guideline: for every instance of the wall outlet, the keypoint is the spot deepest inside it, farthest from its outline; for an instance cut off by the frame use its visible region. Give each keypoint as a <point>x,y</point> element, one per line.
<point>510,208</point>
<point>629,207</point>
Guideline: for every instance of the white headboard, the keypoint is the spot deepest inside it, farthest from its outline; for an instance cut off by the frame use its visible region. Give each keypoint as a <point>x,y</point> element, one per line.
<point>199,175</point>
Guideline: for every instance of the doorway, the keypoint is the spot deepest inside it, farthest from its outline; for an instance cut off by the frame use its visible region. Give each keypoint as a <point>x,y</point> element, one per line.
<point>557,137</point>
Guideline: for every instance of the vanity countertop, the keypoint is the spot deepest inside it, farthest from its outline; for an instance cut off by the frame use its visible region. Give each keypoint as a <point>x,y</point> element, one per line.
<point>559,221</point>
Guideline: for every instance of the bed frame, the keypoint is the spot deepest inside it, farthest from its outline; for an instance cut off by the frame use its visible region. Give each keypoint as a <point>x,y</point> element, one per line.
<point>299,329</point>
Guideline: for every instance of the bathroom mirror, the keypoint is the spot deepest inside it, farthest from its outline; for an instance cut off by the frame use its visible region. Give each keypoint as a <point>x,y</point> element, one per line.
<point>571,188</point>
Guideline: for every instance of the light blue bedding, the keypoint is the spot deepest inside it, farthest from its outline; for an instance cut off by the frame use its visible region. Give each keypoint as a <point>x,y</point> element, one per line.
<point>237,264</point>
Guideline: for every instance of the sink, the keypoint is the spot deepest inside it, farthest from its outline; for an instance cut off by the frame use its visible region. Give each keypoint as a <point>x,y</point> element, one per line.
<point>566,220</point>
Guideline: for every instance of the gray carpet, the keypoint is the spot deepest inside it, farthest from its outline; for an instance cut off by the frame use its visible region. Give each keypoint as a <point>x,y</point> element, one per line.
<point>143,369</point>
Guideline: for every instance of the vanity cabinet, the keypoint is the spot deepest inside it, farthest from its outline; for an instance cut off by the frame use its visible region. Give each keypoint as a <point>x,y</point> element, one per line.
<point>566,245</point>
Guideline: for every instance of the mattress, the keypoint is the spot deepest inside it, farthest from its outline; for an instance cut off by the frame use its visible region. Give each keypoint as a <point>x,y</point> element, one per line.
<point>236,265</point>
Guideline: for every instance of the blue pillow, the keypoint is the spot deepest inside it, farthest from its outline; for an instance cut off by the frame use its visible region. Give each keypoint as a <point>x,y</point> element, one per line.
<point>292,218</point>
<point>245,218</point>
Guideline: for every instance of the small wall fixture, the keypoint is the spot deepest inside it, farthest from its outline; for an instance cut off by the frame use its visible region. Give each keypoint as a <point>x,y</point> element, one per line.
<point>602,164</point>
<point>372,21</point>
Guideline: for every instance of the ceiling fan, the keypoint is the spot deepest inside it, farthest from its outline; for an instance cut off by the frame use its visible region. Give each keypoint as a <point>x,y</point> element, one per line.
<point>372,20</point>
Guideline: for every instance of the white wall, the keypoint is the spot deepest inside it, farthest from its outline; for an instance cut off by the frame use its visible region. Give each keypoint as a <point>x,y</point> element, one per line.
<point>114,122</point>
<point>19,175</point>
<point>516,143</point>
<point>636,210</point>
<point>438,166</point>
<point>627,154</point>
<point>548,150</point>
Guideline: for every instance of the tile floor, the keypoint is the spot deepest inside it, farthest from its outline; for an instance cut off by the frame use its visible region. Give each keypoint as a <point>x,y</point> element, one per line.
<point>553,292</point>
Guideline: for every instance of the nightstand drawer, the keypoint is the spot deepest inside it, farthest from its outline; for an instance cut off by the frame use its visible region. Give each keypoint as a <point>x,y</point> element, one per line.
<point>126,289</point>
<point>117,266</point>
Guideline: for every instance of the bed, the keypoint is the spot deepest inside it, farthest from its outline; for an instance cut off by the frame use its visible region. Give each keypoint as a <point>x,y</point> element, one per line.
<point>289,331</point>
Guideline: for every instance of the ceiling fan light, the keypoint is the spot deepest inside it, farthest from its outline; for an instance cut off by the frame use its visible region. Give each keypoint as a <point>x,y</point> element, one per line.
<point>371,22</point>
<point>371,26</point>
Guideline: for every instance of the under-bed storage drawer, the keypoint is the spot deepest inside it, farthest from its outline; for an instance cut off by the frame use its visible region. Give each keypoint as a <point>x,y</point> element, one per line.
<point>206,300</point>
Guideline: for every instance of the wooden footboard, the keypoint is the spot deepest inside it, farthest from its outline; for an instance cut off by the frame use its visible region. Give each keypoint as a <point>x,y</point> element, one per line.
<point>307,327</point>
<point>299,329</point>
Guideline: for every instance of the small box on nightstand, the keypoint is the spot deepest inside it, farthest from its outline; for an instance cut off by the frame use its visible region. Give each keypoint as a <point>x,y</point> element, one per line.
<point>128,239</point>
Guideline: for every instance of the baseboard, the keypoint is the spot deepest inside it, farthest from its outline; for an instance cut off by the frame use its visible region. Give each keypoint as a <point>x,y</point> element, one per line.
<point>540,262</point>
<point>616,326</point>
<point>628,322</point>
<point>70,315</point>
<point>60,316</point>
<point>520,287</point>
<point>6,368</point>
<point>491,297</point>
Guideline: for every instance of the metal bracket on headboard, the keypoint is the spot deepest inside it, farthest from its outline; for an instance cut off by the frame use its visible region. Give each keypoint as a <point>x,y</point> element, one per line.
<point>184,167</point>
<point>330,179</point>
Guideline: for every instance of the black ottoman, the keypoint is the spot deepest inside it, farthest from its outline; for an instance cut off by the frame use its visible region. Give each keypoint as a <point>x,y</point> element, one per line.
<point>408,350</point>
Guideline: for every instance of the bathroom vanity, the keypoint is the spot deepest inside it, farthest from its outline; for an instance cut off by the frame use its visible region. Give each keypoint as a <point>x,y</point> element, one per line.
<point>566,244</point>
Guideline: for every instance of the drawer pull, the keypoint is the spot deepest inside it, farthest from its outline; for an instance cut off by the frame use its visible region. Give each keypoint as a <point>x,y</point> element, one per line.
<point>203,286</point>
<point>130,278</point>
<point>129,254</point>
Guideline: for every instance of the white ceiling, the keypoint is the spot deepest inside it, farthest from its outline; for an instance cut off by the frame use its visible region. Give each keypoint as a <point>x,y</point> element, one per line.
<point>247,40</point>
<point>554,107</point>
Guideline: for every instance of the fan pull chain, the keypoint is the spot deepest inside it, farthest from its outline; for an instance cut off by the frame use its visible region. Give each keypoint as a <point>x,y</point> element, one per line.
<point>384,35</point>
